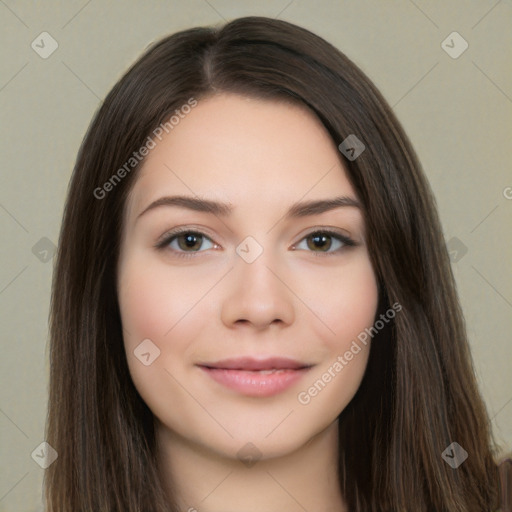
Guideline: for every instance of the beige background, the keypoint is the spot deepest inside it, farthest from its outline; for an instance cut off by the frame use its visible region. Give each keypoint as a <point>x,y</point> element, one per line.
<point>457,112</point>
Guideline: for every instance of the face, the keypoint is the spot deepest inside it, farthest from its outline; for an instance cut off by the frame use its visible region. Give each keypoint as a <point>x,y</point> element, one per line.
<point>241,319</point>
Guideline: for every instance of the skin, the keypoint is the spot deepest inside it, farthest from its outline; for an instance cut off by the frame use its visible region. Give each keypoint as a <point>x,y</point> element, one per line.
<point>294,300</point>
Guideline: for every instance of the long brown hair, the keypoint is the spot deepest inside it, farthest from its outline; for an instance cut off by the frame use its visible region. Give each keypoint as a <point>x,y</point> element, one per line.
<point>419,393</point>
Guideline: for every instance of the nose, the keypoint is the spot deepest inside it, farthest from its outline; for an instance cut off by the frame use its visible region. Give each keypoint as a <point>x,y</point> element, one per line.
<point>257,294</point>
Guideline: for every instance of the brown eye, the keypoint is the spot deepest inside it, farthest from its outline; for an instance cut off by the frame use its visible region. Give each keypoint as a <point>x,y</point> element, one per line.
<point>319,241</point>
<point>190,241</point>
<point>326,242</point>
<point>182,242</point>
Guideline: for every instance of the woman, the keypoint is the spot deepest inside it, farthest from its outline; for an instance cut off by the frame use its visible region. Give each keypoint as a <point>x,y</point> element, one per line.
<point>253,306</point>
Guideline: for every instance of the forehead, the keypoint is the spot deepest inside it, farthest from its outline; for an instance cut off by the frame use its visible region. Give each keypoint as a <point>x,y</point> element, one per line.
<point>243,150</point>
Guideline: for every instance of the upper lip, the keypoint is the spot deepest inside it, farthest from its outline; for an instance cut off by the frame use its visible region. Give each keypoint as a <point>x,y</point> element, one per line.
<point>250,363</point>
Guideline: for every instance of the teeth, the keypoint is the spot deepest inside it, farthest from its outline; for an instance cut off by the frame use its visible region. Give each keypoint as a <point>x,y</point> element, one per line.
<point>266,372</point>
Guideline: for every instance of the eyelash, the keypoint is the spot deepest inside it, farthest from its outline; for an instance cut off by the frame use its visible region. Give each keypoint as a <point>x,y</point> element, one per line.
<point>169,237</point>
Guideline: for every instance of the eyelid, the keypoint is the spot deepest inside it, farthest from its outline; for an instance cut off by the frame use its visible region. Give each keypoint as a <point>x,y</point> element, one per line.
<point>168,235</point>
<point>336,233</point>
<point>164,241</point>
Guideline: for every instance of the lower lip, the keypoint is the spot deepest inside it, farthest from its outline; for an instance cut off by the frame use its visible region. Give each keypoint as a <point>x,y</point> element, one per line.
<point>255,383</point>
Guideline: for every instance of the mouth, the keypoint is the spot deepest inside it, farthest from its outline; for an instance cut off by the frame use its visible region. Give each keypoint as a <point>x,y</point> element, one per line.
<point>256,377</point>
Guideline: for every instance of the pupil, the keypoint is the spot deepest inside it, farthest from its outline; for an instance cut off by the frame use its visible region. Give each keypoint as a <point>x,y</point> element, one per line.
<point>191,240</point>
<point>321,239</point>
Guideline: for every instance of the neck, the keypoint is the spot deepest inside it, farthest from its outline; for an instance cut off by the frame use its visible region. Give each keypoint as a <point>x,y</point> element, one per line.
<point>203,481</point>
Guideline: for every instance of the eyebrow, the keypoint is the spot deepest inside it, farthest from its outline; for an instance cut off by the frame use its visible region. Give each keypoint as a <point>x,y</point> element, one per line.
<point>299,209</point>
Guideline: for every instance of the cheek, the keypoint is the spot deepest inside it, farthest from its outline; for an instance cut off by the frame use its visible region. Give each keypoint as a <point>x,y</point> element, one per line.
<point>356,304</point>
<point>172,308</point>
<point>155,303</point>
<point>163,307</point>
<point>348,307</point>
<point>345,305</point>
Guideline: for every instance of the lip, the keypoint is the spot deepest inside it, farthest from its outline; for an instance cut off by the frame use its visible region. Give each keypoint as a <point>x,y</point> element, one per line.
<point>245,375</point>
<point>251,363</point>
